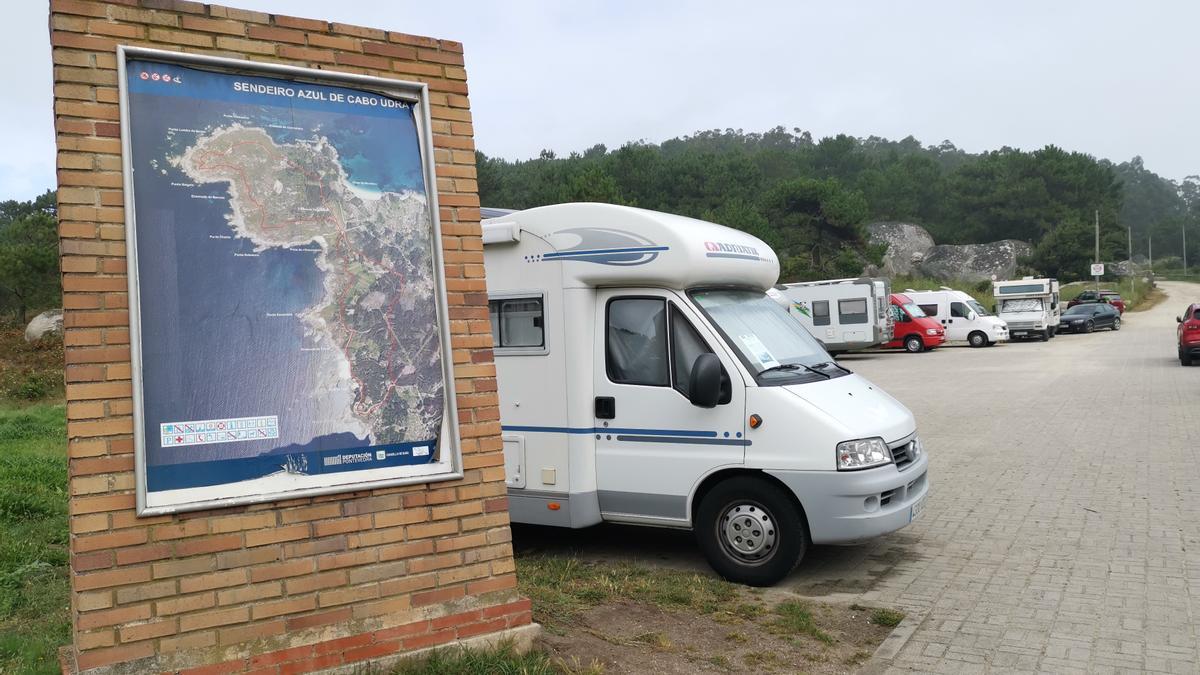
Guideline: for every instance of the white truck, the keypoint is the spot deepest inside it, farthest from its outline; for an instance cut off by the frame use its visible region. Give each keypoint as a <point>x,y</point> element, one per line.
<point>1029,306</point>
<point>964,319</point>
<point>844,314</point>
<point>645,377</point>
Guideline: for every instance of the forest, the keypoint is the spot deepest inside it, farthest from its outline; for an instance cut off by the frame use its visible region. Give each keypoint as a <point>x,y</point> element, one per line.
<point>809,199</point>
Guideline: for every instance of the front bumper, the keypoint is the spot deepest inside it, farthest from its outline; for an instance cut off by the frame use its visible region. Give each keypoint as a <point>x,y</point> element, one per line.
<point>845,507</point>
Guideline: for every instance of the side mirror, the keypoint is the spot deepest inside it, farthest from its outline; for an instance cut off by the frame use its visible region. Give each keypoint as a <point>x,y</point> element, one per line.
<point>709,381</point>
<point>1179,319</point>
<point>971,316</point>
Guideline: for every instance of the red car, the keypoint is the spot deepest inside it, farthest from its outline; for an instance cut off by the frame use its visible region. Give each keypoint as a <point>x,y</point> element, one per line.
<point>914,330</point>
<point>1111,297</point>
<point>1189,334</point>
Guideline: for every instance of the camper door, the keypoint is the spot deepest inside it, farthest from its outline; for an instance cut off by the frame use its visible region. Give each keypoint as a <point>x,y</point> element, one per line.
<point>652,443</point>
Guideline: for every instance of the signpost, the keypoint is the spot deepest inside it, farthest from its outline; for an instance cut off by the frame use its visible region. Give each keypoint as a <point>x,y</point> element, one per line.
<point>290,331</point>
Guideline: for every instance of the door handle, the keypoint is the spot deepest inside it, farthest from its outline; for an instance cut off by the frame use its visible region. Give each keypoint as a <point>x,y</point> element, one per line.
<point>606,407</point>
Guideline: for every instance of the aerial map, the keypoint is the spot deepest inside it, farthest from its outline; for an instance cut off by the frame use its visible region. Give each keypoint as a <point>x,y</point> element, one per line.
<point>288,300</point>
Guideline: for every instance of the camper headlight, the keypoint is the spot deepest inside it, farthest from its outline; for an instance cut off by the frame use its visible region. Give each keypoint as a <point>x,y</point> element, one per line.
<point>862,454</point>
<point>931,331</point>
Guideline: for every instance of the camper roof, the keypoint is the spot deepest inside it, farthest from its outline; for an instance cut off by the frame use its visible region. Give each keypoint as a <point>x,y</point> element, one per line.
<point>602,244</point>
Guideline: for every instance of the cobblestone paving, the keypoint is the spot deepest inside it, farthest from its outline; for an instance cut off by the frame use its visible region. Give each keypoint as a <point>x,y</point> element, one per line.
<point>1062,532</point>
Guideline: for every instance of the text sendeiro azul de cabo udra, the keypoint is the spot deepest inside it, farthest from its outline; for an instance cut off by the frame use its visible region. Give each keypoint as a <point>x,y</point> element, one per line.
<point>318,95</point>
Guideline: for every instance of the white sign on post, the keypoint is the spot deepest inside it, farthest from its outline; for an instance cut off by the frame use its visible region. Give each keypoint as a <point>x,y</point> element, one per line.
<point>1097,269</point>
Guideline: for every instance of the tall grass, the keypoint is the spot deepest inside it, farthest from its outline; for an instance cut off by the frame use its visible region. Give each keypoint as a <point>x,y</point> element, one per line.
<point>34,618</point>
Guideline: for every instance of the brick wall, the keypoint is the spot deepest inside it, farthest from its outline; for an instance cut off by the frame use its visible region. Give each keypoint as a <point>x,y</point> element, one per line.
<point>293,585</point>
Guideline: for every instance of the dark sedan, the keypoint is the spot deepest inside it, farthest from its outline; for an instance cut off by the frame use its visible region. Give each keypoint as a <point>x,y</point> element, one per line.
<point>1088,317</point>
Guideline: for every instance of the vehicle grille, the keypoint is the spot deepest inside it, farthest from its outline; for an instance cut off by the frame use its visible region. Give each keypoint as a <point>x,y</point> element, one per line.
<point>1021,325</point>
<point>903,455</point>
<point>885,497</point>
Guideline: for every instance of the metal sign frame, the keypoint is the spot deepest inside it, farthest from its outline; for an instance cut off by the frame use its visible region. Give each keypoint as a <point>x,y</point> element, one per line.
<point>449,465</point>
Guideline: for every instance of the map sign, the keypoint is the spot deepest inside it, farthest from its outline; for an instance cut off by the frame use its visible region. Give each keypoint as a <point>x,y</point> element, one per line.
<point>289,309</point>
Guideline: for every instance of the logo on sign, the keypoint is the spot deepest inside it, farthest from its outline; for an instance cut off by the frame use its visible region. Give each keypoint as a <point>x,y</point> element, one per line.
<point>1097,269</point>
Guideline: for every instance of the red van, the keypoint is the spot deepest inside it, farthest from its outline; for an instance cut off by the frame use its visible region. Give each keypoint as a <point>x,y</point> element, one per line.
<point>914,331</point>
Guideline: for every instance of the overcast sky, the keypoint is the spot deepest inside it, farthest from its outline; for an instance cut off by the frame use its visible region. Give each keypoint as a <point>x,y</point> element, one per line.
<point>1113,79</point>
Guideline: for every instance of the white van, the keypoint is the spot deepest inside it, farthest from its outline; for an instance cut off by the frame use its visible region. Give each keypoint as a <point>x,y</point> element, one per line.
<point>645,377</point>
<point>844,314</point>
<point>964,318</point>
<point>1029,306</point>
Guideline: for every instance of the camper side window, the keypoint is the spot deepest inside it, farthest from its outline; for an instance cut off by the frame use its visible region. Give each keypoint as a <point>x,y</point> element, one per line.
<point>820,312</point>
<point>636,352</point>
<point>852,311</point>
<point>686,347</point>
<point>930,310</point>
<point>958,310</point>
<point>517,322</point>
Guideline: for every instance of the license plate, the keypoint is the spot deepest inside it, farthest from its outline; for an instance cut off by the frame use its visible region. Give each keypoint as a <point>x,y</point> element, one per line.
<point>915,509</point>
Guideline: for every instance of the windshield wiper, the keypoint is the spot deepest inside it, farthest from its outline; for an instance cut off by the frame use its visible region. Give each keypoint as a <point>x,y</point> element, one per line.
<point>835,364</point>
<point>794,366</point>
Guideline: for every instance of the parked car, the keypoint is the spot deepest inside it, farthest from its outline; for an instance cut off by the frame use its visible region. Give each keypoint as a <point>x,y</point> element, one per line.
<point>1110,297</point>
<point>914,331</point>
<point>1189,334</point>
<point>1089,316</point>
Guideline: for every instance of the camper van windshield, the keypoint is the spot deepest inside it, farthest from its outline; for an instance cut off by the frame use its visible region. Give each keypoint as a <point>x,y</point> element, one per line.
<point>978,308</point>
<point>913,310</point>
<point>1021,305</point>
<point>765,334</point>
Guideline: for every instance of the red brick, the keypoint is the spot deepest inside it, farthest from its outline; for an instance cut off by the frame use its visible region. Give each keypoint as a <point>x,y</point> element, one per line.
<point>429,639</point>
<point>481,628</point>
<point>438,596</point>
<point>321,619</point>
<point>371,651</point>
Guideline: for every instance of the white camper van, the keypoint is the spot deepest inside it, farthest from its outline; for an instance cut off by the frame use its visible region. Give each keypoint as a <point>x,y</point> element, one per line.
<point>1029,306</point>
<point>964,318</point>
<point>645,377</point>
<point>844,314</point>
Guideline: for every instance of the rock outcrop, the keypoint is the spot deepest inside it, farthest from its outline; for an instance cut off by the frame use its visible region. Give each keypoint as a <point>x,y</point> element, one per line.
<point>975,262</point>
<point>906,243</point>
<point>910,250</point>
<point>49,322</point>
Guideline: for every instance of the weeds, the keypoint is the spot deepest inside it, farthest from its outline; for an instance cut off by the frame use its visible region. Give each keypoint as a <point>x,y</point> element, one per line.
<point>34,619</point>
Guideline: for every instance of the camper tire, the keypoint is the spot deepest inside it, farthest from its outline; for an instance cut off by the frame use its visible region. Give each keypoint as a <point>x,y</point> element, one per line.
<point>736,506</point>
<point>1045,337</point>
<point>977,339</point>
<point>914,344</point>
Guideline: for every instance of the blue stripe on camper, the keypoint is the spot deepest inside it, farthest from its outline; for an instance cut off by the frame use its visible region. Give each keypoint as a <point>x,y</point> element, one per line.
<point>603,251</point>
<point>736,256</point>
<point>611,430</point>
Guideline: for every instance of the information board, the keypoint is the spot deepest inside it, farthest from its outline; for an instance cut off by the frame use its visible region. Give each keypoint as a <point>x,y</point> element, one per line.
<point>287,300</point>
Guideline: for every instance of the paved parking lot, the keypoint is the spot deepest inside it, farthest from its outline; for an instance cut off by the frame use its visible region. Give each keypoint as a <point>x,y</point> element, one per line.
<point>1062,533</point>
<point>1063,529</point>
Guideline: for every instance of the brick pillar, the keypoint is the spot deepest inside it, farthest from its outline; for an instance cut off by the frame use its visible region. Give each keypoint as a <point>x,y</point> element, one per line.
<point>290,586</point>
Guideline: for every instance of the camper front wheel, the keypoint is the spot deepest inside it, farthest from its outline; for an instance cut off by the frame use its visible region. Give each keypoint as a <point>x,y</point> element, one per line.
<point>750,531</point>
<point>977,339</point>
<point>914,344</point>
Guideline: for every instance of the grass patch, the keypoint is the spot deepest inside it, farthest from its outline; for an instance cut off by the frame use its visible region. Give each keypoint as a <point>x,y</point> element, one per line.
<point>795,617</point>
<point>501,660</point>
<point>34,618</point>
<point>561,588</point>
<point>29,372</point>
<point>886,617</point>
